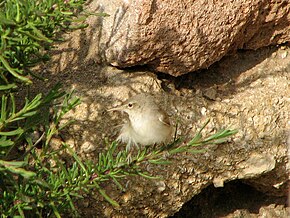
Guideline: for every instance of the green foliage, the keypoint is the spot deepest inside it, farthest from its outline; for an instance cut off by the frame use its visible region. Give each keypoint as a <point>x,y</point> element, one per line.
<point>16,126</point>
<point>27,29</point>
<point>28,182</point>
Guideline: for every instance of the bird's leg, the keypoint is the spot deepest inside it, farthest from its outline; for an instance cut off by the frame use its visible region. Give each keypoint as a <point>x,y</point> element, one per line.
<point>166,152</point>
<point>129,150</point>
<point>153,147</point>
<point>129,153</point>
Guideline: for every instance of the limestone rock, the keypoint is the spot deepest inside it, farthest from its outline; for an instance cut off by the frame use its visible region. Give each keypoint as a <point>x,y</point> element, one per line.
<point>249,92</point>
<point>272,211</point>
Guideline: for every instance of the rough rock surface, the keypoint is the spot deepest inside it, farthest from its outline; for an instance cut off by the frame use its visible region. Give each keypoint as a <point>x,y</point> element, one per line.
<point>271,211</point>
<point>177,37</point>
<point>234,200</point>
<point>249,92</point>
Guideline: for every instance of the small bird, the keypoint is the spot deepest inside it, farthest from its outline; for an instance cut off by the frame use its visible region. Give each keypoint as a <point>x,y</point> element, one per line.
<point>148,124</point>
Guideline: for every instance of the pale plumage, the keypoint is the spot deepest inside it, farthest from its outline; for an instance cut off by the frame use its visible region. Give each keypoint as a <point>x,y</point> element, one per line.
<point>148,124</point>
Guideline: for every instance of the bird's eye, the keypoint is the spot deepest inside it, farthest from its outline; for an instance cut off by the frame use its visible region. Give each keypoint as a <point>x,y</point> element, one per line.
<point>130,105</point>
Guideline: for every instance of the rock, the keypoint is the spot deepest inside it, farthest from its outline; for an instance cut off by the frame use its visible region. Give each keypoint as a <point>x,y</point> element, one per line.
<point>252,95</point>
<point>177,37</point>
<point>257,164</point>
<point>271,211</point>
<point>274,211</point>
<point>234,200</point>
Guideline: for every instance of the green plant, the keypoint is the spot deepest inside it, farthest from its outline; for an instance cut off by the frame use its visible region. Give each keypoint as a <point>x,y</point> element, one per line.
<point>21,184</point>
<point>28,28</point>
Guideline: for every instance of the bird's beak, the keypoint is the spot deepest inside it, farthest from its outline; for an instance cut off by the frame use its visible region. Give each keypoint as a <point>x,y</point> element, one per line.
<point>119,108</point>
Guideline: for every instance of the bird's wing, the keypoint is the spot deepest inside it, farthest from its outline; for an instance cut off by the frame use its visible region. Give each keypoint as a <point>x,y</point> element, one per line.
<point>164,119</point>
